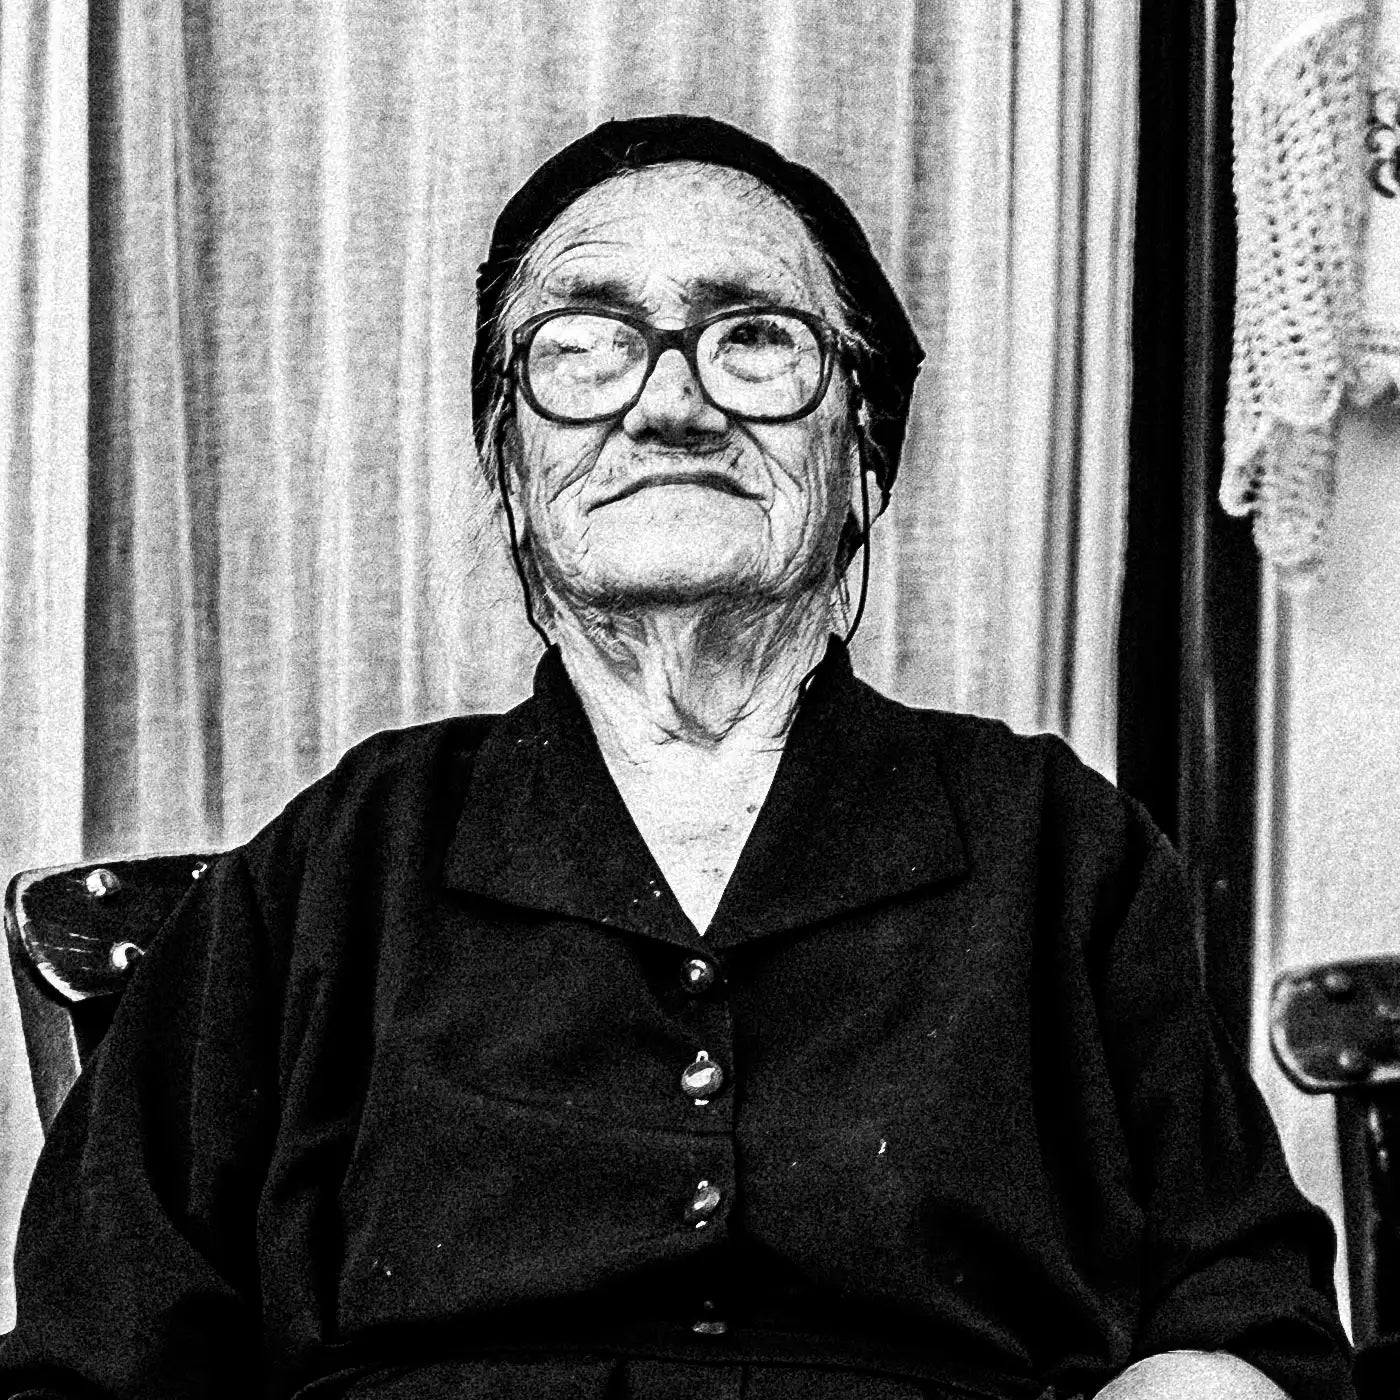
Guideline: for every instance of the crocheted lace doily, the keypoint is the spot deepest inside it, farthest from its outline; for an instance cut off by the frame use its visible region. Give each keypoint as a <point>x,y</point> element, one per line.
<point>1377,371</point>
<point>1299,192</point>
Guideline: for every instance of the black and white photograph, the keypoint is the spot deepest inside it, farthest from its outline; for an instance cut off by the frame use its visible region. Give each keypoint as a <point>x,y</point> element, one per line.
<point>700,701</point>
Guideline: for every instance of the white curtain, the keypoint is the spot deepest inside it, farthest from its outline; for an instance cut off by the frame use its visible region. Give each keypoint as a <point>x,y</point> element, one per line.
<point>248,527</point>
<point>43,490</point>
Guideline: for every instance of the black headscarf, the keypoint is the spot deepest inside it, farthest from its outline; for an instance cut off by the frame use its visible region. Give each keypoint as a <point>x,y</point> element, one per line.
<point>884,375</point>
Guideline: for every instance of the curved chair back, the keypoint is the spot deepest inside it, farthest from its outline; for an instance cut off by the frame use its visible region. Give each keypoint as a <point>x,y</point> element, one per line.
<point>76,934</point>
<point>1335,1029</point>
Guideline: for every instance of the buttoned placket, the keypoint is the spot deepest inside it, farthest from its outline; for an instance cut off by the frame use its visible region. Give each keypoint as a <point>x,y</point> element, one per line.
<point>707,1084</point>
<point>544,827</point>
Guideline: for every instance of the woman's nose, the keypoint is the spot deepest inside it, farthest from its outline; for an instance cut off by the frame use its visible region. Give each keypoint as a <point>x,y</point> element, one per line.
<point>672,405</point>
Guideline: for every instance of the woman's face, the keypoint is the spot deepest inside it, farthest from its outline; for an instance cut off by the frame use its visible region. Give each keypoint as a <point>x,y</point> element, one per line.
<point>675,502</point>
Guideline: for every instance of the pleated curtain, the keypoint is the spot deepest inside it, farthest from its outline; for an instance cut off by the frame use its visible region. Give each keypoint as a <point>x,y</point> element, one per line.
<point>241,521</point>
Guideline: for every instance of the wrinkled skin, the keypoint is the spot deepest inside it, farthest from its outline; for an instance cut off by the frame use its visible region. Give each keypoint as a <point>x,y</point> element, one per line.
<point>687,558</point>
<point>676,503</point>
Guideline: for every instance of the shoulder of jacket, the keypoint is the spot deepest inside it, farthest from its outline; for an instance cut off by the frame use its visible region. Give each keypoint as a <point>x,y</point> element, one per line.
<point>983,743</point>
<point>1041,769</point>
<point>384,771</point>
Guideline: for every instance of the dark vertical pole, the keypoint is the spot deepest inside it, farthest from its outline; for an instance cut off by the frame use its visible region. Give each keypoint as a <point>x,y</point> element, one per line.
<point>1149,643</point>
<point>1220,573</point>
<point>1188,652</point>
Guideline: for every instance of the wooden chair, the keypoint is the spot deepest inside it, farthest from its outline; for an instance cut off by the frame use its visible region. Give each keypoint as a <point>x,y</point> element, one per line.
<point>1335,1029</point>
<point>76,933</point>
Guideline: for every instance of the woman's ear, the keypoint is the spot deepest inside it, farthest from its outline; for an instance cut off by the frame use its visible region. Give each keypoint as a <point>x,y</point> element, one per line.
<point>508,484</point>
<point>867,501</point>
<point>855,469</point>
<point>508,462</point>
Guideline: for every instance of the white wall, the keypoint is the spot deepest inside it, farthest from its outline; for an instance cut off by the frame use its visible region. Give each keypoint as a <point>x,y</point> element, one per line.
<point>1330,790</point>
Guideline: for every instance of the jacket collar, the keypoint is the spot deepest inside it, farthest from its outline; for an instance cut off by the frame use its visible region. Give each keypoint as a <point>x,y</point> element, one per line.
<point>858,812</point>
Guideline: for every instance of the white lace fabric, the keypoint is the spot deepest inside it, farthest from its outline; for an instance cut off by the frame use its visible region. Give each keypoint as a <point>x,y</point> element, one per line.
<point>1377,370</point>
<point>1300,120</point>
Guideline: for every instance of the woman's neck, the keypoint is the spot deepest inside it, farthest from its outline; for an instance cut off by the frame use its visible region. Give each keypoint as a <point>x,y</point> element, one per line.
<point>691,718</point>
<point>679,678</point>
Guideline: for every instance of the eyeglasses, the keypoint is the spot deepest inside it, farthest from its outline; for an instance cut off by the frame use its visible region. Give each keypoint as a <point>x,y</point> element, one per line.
<point>758,363</point>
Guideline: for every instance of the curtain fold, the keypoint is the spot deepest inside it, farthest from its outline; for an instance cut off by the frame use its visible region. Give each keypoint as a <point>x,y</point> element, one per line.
<point>275,538</point>
<point>43,487</point>
<point>294,537</point>
<point>148,472</point>
<point>1008,550</point>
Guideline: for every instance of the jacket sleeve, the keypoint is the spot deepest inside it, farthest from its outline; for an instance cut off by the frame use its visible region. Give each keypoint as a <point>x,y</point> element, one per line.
<point>136,1268</point>
<point>1236,1259</point>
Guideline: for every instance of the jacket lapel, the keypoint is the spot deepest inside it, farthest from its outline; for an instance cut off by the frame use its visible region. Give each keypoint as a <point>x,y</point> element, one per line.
<point>857,813</point>
<point>544,827</point>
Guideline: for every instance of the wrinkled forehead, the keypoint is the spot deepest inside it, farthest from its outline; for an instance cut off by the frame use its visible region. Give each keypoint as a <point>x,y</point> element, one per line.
<point>677,240</point>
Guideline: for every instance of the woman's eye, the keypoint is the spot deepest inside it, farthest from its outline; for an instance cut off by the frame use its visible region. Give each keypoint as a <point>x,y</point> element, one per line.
<point>575,343</point>
<point>758,334</point>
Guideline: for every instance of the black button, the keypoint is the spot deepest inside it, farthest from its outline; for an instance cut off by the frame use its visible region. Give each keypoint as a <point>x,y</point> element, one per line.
<point>698,975</point>
<point>1338,985</point>
<point>703,1204</point>
<point>707,1324</point>
<point>703,1078</point>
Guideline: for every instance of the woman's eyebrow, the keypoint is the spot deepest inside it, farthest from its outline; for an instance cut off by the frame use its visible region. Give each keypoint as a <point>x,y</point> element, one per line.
<point>715,293</point>
<point>607,292</point>
<point>704,293</point>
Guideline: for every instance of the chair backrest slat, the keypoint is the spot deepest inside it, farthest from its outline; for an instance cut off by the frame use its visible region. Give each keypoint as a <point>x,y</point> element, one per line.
<point>76,934</point>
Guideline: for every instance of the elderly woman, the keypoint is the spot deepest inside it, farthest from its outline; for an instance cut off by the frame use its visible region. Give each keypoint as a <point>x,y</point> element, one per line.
<point>708,1025</point>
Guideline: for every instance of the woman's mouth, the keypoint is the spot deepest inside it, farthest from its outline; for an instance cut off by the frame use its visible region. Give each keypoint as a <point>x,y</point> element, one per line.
<point>694,476</point>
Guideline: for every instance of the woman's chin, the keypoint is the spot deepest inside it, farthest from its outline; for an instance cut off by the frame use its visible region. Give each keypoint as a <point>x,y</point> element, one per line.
<point>638,584</point>
<point>636,589</point>
<point>676,566</point>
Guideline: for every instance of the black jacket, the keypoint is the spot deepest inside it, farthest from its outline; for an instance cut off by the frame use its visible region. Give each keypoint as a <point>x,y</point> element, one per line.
<point>394,1103</point>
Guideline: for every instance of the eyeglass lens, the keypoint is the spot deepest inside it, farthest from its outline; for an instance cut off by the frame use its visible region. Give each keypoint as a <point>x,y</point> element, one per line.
<point>583,365</point>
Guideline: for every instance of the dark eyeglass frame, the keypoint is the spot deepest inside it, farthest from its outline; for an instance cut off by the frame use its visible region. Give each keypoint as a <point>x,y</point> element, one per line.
<point>686,339</point>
